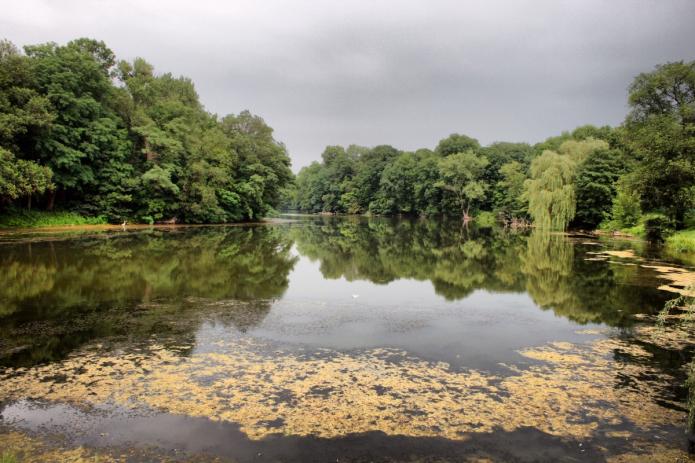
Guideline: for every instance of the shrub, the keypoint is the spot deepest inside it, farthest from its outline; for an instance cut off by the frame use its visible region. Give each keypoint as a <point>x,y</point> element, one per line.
<point>657,227</point>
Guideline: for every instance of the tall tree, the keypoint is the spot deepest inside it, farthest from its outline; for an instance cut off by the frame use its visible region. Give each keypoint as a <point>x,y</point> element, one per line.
<point>661,131</point>
<point>509,197</point>
<point>368,177</point>
<point>456,143</point>
<point>550,190</point>
<point>461,174</point>
<point>595,186</point>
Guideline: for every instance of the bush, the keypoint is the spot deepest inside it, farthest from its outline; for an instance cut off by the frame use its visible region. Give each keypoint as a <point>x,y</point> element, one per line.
<point>657,227</point>
<point>626,209</point>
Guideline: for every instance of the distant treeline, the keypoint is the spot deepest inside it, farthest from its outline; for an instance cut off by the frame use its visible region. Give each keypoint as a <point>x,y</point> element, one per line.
<point>82,132</point>
<point>614,177</point>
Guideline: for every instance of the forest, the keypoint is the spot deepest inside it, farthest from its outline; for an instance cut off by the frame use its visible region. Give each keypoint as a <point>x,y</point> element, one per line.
<point>85,133</point>
<point>638,177</point>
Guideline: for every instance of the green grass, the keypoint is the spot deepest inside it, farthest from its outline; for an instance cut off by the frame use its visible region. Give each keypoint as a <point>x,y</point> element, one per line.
<point>33,219</point>
<point>682,242</point>
<point>8,458</point>
<point>638,230</point>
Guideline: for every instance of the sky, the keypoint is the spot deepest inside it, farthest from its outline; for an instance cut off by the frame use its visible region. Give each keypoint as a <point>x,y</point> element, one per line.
<point>399,72</point>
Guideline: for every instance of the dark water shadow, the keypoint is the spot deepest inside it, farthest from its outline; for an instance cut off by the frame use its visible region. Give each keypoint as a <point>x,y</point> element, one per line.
<point>182,437</point>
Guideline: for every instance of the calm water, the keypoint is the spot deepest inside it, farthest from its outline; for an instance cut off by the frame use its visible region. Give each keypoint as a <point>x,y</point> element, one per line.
<point>325,339</point>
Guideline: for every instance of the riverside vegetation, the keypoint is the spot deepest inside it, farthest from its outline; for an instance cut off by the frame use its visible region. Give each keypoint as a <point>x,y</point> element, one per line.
<point>638,177</point>
<point>84,133</point>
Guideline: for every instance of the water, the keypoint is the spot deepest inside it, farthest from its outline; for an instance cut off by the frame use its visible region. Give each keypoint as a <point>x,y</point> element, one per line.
<point>325,338</point>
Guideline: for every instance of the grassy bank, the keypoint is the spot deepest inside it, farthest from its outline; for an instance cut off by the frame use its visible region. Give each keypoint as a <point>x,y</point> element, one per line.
<point>34,219</point>
<point>682,242</point>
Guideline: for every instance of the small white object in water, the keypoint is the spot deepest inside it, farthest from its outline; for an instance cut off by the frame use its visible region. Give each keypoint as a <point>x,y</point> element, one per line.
<point>355,296</point>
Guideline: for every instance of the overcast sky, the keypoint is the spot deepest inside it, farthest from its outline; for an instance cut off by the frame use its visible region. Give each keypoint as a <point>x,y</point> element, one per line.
<point>400,72</point>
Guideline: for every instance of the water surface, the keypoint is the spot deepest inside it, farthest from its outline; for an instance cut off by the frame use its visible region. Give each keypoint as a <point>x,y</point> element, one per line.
<point>339,338</point>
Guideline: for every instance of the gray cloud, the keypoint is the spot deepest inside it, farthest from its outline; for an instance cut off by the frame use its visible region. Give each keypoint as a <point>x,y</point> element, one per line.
<point>401,72</point>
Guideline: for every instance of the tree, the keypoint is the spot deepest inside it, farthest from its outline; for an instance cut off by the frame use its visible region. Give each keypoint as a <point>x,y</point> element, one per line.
<point>397,186</point>
<point>661,132</point>
<point>311,185</point>
<point>456,143</point>
<point>461,174</point>
<point>509,193</point>
<point>22,179</point>
<point>595,186</point>
<point>368,176</point>
<point>499,154</point>
<point>625,211</point>
<point>24,112</point>
<point>550,191</point>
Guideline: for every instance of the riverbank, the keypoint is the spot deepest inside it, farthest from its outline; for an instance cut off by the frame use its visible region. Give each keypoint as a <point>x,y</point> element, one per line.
<point>29,221</point>
<point>16,219</point>
<point>682,241</point>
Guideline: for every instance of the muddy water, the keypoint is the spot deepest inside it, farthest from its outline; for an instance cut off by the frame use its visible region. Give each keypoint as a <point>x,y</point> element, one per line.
<point>332,339</point>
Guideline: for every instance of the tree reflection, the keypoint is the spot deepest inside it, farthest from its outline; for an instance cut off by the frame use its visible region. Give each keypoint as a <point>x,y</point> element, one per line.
<point>551,268</point>
<point>55,296</point>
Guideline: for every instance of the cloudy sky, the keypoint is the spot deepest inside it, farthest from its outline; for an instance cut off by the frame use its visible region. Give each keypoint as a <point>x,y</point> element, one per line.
<point>406,73</point>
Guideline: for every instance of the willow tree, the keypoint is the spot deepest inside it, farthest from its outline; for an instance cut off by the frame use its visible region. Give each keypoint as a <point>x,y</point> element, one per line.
<point>550,190</point>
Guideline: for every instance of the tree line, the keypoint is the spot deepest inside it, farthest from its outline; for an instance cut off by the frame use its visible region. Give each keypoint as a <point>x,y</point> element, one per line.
<point>83,132</point>
<point>590,177</point>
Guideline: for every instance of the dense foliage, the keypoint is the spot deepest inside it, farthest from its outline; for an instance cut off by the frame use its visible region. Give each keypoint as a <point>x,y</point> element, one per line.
<point>82,132</point>
<point>593,176</point>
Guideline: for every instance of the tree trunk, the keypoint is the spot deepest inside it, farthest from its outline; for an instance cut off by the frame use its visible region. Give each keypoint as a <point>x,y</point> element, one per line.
<point>29,202</point>
<point>51,200</point>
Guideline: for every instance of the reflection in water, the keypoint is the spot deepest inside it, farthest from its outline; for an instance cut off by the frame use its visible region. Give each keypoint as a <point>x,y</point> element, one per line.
<point>551,268</point>
<point>55,296</point>
<point>307,333</point>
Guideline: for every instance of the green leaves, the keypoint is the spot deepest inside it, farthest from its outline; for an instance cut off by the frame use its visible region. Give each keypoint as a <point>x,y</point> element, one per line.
<point>20,178</point>
<point>661,133</point>
<point>550,191</point>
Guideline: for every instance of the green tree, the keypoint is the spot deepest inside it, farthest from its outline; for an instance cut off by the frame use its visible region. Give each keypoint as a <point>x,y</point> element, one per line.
<point>461,174</point>
<point>595,186</point>
<point>625,211</point>
<point>23,111</point>
<point>456,143</point>
<point>509,193</point>
<point>661,132</point>
<point>368,176</point>
<point>397,186</point>
<point>22,179</point>
<point>87,144</point>
<point>550,191</point>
